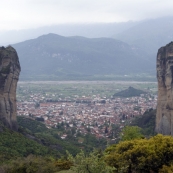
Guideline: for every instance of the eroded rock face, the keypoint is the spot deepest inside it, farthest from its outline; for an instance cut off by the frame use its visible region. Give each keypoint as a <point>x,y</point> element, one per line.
<point>164,116</point>
<point>9,75</point>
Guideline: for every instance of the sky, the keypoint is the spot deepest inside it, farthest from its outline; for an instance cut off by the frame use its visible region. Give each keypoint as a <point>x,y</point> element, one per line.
<point>27,14</point>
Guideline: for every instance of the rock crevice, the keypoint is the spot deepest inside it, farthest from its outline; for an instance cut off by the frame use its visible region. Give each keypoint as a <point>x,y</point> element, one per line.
<point>9,75</point>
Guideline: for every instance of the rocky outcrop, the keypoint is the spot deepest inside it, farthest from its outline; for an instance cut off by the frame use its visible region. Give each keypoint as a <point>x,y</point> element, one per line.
<point>164,115</point>
<point>9,75</point>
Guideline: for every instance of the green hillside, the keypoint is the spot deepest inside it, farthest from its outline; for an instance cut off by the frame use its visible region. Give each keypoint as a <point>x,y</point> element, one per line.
<point>51,137</point>
<point>34,138</point>
<point>146,122</point>
<point>14,144</point>
<point>149,35</point>
<point>35,148</point>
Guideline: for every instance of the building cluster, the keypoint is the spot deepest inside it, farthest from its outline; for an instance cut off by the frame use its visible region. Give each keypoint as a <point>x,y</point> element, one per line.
<point>95,115</point>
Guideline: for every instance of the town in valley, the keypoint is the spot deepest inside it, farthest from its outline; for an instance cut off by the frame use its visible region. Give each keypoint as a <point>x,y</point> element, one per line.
<point>84,107</point>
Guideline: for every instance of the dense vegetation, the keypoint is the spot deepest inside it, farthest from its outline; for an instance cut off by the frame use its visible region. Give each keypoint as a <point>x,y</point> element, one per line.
<point>136,151</point>
<point>51,137</point>
<point>146,122</point>
<point>47,137</point>
<point>31,164</point>
<point>131,155</point>
<point>13,145</point>
<point>34,145</point>
<point>141,155</point>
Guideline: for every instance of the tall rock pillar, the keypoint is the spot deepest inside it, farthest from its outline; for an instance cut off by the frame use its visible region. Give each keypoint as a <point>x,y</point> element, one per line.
<point>164,115</point>
<point>9,75</point>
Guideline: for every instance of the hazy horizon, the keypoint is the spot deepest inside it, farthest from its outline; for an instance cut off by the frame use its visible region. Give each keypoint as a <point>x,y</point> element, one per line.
<point>89,30</point>
<point>32,14</point>
<point>27,19</point>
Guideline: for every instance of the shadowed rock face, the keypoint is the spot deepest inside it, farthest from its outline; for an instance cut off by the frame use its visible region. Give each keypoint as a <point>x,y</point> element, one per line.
<point>9,75</point>
<point>164,116</point>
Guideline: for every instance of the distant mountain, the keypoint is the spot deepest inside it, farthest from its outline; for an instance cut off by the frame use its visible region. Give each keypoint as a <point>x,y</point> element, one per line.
<point>91,30</point>
<point>54,55</point>
<point>149,35</point>
<point>155,32</point>
<point>75,57</point>
<point>129,92</point>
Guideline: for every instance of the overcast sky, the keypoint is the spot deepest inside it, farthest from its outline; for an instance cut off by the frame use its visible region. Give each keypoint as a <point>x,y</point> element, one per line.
<point>25,14</point>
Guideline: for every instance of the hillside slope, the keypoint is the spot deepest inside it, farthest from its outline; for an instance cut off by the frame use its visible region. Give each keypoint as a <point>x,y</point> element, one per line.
<point>149,35</point>
<point>54,55</point>
<point>129,92</point>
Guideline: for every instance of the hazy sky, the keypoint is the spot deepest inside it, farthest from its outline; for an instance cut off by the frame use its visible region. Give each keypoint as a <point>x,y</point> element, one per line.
<point>23,14</point>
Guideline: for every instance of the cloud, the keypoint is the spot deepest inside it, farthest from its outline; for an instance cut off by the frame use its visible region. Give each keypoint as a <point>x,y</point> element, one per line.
<point>21,14</point>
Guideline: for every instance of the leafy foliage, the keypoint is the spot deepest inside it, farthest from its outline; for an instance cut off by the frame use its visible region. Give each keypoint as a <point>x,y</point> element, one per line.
<point>47,137</point>
<point>31,125</point>
<point>31,164</point>
<point>90,142</point>
<point>132,154</point>
<point>146,122</point>
<point>141,155</point>
<point>35,164</point>
<point>63,164</point>
<point>92,163</point>
<point>131,132</point>
<point>166,169</point>
<point>13,144</point>
<point>51,138</point>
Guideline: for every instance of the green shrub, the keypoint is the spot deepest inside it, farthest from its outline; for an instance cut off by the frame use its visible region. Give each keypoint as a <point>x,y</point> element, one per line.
<point>31,164</point>
<point>141,155</point>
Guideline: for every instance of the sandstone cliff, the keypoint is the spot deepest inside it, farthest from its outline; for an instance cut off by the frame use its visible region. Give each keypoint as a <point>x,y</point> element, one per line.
<point>164,115</point>
<point>9,75</point>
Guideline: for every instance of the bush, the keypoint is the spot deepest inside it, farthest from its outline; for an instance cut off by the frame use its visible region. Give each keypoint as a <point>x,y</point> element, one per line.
<point>166,169</point>
<point>93,163</point>
<point>31,164</point>
<point>141,155</point>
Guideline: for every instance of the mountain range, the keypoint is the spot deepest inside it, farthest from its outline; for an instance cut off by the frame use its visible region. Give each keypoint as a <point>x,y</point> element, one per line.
<point>128,48</point>
<point>54,55</point>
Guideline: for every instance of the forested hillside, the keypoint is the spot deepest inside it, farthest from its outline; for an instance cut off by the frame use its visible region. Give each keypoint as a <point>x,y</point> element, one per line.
<point>57,57</point>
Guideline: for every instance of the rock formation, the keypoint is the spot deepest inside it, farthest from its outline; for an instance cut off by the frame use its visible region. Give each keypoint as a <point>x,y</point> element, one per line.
<point>164,116</point>
<point>9,75</point>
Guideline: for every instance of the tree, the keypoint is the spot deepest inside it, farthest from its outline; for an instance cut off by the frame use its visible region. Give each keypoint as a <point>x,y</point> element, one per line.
<point>106,129</point>
<point>131,132</point>
<point>141,155</point>
<point>31,164</point>
<point>93,163</point>
<point>166,169</point>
